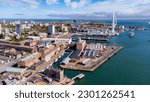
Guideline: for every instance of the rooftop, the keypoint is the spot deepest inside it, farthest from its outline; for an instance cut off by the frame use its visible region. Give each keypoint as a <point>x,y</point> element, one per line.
<point>28,57</point>
<point>14,69</point>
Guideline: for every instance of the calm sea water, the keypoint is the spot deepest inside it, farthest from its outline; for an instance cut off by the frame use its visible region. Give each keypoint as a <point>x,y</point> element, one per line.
<point>131,66</point>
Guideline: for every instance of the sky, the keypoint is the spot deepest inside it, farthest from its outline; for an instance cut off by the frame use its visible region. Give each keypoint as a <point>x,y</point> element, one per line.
<point>74,9</point>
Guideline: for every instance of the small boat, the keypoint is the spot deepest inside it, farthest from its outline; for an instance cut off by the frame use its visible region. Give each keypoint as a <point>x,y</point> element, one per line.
<point>131,34</point>
<point>148,22</point>
<point>80,76</point>
<point>117,34</point>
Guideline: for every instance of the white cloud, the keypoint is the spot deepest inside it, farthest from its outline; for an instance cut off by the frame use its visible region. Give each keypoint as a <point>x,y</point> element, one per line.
<point>126,8</point>
<point>75,4</point>
<point>104,9</point>
<point>32,3</point>
<point>52,1</point>
<point>21,3</point>
<point>83,8</point>
<point>78,16</point>
<point>123,7</point>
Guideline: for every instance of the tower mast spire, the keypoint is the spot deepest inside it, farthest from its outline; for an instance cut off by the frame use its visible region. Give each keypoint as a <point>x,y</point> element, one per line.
<point>114,23</point>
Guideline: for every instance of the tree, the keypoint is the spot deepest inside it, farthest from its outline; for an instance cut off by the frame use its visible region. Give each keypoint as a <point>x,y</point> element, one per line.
<point>58,29</point>
<point>2,36</point>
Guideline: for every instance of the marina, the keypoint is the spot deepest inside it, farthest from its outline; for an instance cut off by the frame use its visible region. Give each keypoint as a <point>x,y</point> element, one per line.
<point>89,50</point>
<point>129,67</point>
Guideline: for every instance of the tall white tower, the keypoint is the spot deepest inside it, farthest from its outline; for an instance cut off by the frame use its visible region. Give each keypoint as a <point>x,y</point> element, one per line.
<point>114,23</point>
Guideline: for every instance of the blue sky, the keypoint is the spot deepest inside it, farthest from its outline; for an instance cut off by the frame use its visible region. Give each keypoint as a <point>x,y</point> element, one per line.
<point>69,9</point>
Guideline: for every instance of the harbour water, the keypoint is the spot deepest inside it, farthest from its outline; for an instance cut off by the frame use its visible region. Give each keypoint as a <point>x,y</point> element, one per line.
<point>131,66</point>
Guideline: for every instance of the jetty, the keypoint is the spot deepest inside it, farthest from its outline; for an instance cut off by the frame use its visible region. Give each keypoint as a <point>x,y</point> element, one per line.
<point>105,58</point>
<point>95,63</point>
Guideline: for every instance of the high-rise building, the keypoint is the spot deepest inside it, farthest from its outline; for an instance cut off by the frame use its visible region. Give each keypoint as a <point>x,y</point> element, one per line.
<point>51,29</point>
<point>18,29</point>
<point>0,29</point>
<point>75,24</point>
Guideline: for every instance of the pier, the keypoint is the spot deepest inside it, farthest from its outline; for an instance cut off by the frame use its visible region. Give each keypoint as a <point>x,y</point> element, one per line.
<point>98,61</point>
<point>105,58</point>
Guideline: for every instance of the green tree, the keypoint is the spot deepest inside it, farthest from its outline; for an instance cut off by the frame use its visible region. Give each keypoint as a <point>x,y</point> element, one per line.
<point>2,36</point>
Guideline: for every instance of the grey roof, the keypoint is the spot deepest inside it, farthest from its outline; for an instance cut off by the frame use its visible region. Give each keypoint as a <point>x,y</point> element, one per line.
<point>10,82</point>
<point>28,57</point>
<point>75,54</point>
<point>66,60</point>
<point>14,69</point>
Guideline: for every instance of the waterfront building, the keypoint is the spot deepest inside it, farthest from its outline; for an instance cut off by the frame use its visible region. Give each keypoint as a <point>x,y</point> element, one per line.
<point>18,29</point>
<point>80,44</point>
<point>29,60</point>
<point>51,29</point>
<point>49,52</point>
<point>54,74</point>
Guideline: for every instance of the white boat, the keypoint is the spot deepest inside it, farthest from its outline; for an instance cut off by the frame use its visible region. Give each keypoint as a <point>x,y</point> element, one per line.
<point>148,22</point>
<point>131,34</point>
<point>116,33</point>
<point>81,76</point>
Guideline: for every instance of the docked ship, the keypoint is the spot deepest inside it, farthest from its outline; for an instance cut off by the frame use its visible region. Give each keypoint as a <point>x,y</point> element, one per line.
<point>102,40</point>
<point>131,34</point>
